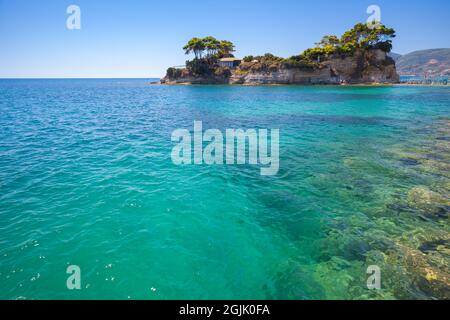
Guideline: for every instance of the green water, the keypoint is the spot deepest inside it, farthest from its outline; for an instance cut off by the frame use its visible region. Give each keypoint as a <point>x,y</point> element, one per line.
<point>86,179</point>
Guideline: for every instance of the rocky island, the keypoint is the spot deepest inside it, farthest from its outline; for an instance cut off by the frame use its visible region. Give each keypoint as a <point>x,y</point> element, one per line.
<point>359,56</point>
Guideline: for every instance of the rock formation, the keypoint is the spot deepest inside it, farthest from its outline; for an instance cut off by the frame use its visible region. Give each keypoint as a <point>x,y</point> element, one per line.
<point>363,67</point>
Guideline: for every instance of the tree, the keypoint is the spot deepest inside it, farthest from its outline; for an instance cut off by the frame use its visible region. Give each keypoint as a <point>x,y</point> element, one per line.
<point>330,41</point>
<point>380,38</point>
<point>173,73</point>
<point>368,37</point>
<point>205,63</point>
<point>214,48</point>
<point>212,45</point>
<point>196,46</point>
<point>226,49</point>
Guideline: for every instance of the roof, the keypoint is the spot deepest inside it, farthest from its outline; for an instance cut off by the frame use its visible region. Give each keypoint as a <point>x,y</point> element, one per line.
<point>230,59</point>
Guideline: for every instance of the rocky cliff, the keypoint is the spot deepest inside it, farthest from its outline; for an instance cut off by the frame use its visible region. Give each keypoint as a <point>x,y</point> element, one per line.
<point>363,67</point>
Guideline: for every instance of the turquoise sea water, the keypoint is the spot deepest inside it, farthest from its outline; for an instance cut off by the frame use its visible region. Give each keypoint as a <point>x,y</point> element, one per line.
<point>86,179</point>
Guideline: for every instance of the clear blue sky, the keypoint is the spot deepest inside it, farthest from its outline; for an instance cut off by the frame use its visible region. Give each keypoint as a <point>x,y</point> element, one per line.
<point>141,38</point>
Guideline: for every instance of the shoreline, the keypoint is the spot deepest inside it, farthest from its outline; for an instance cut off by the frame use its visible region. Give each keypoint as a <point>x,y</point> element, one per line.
<point>368,85</point>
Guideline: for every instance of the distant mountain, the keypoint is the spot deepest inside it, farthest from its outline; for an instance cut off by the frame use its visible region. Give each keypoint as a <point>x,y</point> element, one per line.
<point>395,56</point>
<point>432,62</point>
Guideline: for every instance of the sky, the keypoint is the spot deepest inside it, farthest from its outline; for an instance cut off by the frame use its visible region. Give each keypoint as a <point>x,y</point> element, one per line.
<point>142,38</point>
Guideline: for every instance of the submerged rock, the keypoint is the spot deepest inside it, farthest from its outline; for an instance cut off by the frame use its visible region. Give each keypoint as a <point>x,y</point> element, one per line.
<point>431,278</point>
<point>423,199</point>
<point>434,245</point>
<point>409,162</point>
<point>441,168</point>
<point>295,281</point>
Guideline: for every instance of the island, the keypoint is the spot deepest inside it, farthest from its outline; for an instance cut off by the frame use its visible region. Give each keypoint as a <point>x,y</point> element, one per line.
<point>359,56</point>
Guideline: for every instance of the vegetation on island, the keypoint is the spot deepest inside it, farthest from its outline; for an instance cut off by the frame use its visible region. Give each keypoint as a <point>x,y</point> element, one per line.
<point>208,51</point>
<point>361,36</point>
<point>215,49</point>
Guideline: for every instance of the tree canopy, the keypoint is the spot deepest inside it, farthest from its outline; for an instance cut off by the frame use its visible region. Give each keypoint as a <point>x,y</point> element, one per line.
<point>209,48</point>
<point>196,46</point>
<point>361,36</point>
<point>366,36</point>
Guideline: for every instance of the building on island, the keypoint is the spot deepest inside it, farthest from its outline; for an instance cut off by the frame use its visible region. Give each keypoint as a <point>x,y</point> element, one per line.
<point>230,62</point>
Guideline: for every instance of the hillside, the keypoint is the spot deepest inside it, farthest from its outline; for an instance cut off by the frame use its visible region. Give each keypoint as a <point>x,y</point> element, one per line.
<point>432,62</point>
<point>395,56</point>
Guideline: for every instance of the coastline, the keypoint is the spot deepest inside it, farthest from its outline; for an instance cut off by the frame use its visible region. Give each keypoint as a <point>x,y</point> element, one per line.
<point>369,85</point>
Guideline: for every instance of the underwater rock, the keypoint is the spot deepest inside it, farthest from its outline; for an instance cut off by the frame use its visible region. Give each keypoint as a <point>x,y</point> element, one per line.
<point>444,250</point>
<point>423,199</point>
<point>433,245</point>
<point>429,277</point>
<point>441,168</point>
<point>295,281</point>
<point>339,276</point>
<point>425,236</point>
<point>409,162</point>
<point>411,154</point>
<point>442,145</point>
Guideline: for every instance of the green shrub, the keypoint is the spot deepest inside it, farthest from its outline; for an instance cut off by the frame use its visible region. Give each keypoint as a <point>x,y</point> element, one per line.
<point>299,61</point>
<point>222,72</point>
<point>173,73</point>
<point>200,67</point>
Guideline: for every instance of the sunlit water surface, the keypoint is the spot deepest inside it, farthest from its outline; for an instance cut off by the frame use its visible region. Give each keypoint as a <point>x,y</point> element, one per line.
<point>86,179</point>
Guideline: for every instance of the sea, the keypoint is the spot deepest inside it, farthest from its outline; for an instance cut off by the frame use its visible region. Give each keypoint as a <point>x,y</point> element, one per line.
<point>362,195</point>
